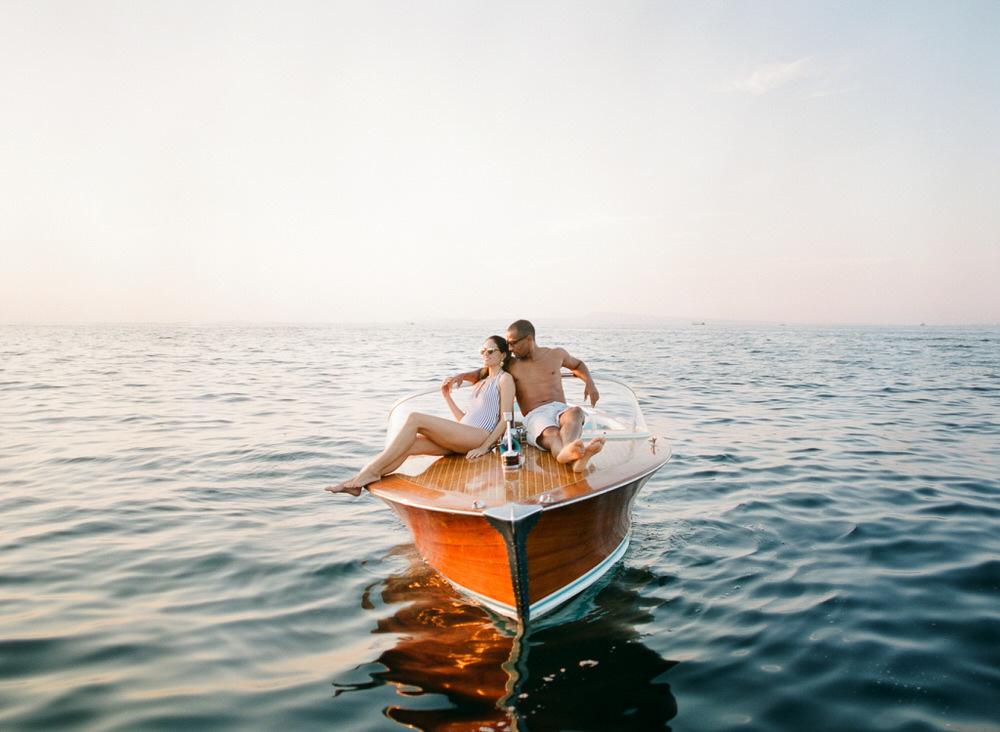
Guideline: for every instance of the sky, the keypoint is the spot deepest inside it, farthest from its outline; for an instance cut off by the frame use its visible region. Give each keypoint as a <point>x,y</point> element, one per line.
<point>391,161</point>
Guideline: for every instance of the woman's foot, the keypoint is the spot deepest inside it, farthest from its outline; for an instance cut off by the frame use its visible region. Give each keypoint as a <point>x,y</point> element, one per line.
<point>355,484</point>
<point>592,448</point>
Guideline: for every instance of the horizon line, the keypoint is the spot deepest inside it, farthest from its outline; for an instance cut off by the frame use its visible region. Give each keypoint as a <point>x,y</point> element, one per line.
<point>606,320</point>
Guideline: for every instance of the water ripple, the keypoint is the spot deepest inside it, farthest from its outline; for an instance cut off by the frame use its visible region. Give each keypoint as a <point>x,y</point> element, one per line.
<point>821,552</point>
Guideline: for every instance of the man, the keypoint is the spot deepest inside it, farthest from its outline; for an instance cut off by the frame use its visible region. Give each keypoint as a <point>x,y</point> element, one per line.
<point>549,422</point>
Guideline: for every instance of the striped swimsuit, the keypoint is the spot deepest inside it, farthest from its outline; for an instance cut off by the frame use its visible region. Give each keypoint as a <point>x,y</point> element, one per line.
<point>485,409</point>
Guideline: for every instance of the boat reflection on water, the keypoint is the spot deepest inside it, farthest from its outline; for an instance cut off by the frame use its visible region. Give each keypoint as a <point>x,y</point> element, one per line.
<point>585,669</point>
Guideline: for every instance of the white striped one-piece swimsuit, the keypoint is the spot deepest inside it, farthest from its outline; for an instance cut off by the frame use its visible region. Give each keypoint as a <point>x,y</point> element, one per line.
<point>485,409</point>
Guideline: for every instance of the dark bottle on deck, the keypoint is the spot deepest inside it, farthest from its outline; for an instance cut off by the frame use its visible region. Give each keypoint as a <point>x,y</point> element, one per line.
<point>510,448</point>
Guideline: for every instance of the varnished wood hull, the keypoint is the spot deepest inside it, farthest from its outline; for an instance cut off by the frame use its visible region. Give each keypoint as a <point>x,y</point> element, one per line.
<point>568,549</point>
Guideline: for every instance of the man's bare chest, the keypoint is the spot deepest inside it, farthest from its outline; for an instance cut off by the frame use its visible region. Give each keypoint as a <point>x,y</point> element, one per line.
<point>541,371</point>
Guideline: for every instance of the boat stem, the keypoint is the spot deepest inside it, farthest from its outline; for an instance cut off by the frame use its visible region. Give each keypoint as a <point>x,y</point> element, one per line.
<point>514,521</point>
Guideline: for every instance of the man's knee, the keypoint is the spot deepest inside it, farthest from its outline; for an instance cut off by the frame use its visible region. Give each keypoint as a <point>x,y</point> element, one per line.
<point>548,434</point>
<point>574,414</point>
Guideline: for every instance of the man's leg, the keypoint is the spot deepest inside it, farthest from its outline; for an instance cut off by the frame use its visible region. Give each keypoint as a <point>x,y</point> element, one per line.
<point>551,440</point>
<point>564,441</point>
<point>574,451</point>
<point>571,424</point>
<point>570,429</point>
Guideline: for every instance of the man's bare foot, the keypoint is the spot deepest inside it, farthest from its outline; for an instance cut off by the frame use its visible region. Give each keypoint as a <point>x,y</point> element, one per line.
<point>593,447</point>
<point>571,451</point>
<point>354,485</point>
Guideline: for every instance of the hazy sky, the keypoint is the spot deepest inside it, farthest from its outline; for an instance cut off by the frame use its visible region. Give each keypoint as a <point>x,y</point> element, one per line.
<point>302,161</point>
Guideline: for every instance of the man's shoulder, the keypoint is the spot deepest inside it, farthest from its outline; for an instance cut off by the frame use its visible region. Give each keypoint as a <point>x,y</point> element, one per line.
<point>557,353</point>
<point>553,351</point>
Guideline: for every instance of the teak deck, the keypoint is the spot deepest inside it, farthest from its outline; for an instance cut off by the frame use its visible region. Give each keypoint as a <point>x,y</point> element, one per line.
<point>456,484</point>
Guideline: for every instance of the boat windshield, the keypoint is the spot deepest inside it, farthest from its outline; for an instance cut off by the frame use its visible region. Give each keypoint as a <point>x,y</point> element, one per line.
<point>617,415</point>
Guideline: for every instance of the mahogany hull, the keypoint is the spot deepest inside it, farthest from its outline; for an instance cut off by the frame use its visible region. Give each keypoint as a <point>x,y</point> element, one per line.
<point>568,548</point>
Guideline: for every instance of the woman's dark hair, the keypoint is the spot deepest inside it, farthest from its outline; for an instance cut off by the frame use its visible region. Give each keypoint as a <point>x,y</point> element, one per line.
<point>504,349</point>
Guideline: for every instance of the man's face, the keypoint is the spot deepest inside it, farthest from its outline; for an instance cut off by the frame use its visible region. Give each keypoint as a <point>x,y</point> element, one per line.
<point>520,345</point>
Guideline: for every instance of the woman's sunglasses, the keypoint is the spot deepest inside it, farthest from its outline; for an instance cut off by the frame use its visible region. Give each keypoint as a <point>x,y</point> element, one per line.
<point>487,351</point>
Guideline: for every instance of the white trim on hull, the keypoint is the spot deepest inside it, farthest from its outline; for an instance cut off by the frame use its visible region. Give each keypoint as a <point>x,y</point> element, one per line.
<point>557,598</point>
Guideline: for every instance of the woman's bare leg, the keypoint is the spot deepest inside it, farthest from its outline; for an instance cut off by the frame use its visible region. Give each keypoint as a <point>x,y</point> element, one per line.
<point>421,446</point>
<point>445,433</point>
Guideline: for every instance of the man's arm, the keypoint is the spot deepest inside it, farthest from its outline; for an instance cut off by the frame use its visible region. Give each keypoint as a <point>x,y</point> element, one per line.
<point>580,371</point>
<point>473,376</point>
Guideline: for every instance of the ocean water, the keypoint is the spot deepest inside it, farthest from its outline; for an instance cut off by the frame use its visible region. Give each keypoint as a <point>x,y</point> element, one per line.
<point>823,551</point>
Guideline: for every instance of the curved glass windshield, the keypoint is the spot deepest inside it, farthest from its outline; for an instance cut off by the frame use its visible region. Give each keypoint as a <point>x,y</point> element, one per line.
<point>617,414</point>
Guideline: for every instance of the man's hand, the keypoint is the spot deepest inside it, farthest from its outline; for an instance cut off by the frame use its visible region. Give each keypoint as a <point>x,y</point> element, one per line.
<point>590,392</point>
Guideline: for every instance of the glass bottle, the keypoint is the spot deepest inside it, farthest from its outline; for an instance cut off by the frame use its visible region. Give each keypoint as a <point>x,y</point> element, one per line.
<point>511,449</point>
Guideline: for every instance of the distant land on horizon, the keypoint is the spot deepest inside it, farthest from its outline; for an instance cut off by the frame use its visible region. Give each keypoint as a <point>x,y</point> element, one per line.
<point>601,319</point>
<point>627,320</point>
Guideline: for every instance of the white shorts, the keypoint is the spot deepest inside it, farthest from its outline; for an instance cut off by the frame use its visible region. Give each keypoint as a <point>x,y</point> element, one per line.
<point>541,418</point>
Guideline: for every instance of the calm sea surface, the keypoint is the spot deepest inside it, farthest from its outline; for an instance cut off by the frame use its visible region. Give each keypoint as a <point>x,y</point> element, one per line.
<point>823,552</point>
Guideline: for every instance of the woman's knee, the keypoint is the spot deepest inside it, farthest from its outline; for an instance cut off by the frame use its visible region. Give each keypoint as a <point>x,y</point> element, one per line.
<point>414,420</point>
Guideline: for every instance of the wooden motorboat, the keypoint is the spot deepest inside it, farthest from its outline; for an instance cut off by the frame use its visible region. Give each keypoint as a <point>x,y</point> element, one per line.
<point>522,542</point>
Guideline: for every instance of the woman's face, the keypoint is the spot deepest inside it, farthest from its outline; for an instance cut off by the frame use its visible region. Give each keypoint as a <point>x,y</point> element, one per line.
<point>492,356</point>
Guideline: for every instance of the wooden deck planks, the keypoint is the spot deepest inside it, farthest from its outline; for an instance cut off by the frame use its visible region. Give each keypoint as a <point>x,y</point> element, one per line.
<point>454,483</point>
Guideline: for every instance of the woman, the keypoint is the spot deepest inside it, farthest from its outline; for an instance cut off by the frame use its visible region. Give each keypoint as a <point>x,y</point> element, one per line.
<point>473,432</point>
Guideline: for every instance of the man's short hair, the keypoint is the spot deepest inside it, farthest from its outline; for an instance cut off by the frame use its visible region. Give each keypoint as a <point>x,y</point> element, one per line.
<point>522,328</point>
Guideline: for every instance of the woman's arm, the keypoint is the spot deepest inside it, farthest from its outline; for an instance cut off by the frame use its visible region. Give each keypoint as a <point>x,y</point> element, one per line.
<point>506,405</point>
<point>446,393</point>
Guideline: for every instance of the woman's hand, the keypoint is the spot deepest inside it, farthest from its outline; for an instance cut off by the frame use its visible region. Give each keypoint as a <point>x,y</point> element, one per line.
<point>478,452</point>
<point>446,387</point>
